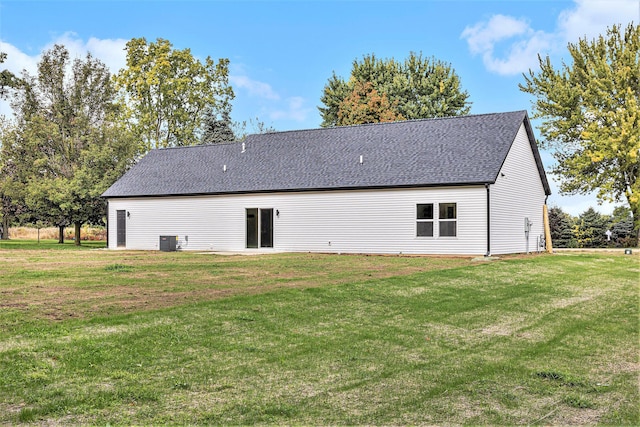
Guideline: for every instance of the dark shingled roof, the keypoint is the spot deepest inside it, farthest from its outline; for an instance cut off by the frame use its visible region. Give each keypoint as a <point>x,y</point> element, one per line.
<point>430,152</point>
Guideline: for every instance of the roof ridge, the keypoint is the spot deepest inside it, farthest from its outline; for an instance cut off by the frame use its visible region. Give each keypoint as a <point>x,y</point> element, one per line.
<point>361,125</point>
<point>208,144</point>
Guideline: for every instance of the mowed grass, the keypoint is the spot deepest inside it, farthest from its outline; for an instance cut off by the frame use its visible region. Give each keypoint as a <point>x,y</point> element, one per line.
<point>102,337</point>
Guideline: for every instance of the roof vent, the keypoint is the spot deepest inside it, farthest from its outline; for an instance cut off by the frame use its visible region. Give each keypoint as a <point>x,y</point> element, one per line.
<point>361,159</point>
<point>244,147</point>
<point>224,168</point>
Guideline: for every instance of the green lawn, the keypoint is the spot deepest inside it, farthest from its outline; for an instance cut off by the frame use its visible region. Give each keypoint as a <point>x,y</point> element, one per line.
<point>108,337</point>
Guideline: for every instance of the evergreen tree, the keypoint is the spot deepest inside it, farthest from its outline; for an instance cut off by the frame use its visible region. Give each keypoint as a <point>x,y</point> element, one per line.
<point>217,130</point>
<point>561,225</point>
<point>622,233</point>
<point>590,229</point>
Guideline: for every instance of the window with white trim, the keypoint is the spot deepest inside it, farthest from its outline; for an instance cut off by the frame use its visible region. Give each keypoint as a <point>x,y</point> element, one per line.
<point>447,219</point>
<point>425,220</point>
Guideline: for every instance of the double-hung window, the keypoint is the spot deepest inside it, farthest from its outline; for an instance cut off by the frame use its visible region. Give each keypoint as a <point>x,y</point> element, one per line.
<point>425,220</point>
<point>447,219</point>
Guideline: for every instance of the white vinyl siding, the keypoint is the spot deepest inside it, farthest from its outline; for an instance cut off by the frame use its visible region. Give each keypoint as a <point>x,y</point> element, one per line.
<point>353,221</point>
<point>517,194</point>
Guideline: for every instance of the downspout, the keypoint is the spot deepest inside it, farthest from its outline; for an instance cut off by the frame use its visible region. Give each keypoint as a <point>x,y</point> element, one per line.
<point>107,224</point>
<point>488,221</point>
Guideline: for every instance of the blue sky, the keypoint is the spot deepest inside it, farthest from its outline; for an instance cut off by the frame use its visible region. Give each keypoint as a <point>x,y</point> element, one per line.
<point>283,52</point>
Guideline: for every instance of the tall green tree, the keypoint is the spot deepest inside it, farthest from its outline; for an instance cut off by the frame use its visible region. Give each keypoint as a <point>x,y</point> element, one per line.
<point>8,209</point>
<point>23,165</point>
<point>590,229</point>
<point>590,111</point>
<point>416,88</point>
<point>69,145</point>
<point>561,225</point>
<point>170,93</point>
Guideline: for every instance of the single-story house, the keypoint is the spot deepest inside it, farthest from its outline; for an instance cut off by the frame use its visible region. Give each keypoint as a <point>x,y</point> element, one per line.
<point>460,185</point>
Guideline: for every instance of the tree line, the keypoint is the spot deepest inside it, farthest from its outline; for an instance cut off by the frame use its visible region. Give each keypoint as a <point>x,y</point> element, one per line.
<point>592,229</point>
<point>78,128</point>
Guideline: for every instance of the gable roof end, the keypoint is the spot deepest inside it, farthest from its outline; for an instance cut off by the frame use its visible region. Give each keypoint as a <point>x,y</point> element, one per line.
<point>536,155</point>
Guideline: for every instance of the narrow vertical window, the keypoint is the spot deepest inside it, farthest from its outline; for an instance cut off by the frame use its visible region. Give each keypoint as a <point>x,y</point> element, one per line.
<point>266,228</point>
<point>252,228</point>
<point>121,229</point>
<point>447,219</point>
<point>425,220</point>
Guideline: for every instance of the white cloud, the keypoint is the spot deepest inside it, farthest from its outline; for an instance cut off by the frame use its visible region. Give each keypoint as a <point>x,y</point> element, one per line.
<point>483,36</point>
<point>17,60</point>
<point>270,102</point>
<point>296,110</point>
<point>254,87</point>
<point>110,51</point>
<point>524,43</point>
<point>590,18</point>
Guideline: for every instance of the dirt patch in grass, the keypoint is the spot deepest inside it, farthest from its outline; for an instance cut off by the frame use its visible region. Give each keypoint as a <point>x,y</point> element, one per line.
<point>61,285</point>
<point>576,417</point>
<point>506,328</point>
<point>586,296</point>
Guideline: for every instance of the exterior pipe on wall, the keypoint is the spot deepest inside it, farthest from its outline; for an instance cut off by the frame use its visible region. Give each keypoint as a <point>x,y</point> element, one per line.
<point>547,228</point>
<point>488,221</point>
